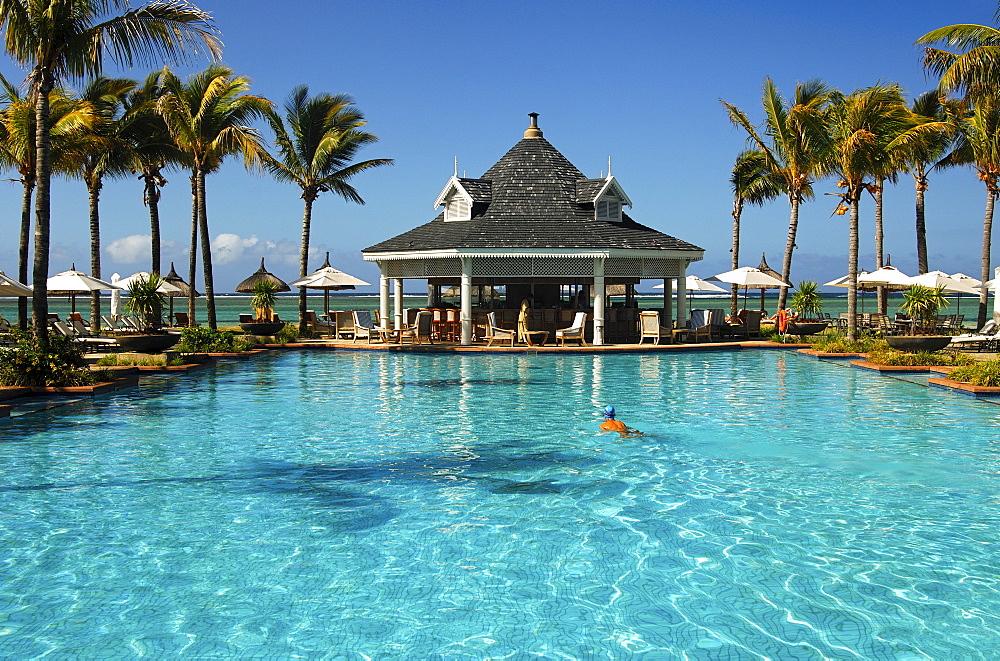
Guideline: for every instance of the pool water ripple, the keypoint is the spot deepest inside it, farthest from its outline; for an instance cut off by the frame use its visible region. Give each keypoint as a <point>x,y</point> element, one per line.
<point>393,506</point>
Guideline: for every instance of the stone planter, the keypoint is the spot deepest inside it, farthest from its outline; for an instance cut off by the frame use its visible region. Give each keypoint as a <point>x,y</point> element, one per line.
<point>805,327</point>
<point>262,327</point>
<point>914,343</point>
<point>148,343</point>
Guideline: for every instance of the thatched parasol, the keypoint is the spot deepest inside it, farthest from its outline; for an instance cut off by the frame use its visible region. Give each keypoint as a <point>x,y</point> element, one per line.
<point>764,268</point>
<point>262,275</point>
<point>177,281</point>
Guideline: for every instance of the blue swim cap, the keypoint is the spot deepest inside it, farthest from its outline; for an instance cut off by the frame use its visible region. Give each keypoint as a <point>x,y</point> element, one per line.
<point>609,411</point>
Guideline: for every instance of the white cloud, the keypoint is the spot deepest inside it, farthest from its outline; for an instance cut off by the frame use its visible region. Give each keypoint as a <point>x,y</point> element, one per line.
<point>229,248</point>
<point>130,249</point>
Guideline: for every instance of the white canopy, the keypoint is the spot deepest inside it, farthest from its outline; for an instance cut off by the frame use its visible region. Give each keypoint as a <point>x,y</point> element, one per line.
<point>164,288</point>
<point>887,276</point>
<point>11,287</point>
<point>75,282</point>
<point>935,279</point>
<point>694,283</point>
<point>748,277</point>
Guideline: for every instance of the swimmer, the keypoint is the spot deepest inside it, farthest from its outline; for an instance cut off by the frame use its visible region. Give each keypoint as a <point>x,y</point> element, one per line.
<point>610,424</point>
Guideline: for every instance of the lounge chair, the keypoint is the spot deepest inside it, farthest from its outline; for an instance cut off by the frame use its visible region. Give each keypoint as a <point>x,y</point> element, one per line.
<point>575,332</point>
<point>91,341</point>
<point>649,326</point>
<point>988,336</point>
<point>181,320</point>
<point>700,326</point>
<point>318,325</point>
<point>495,333</point>
<point>420,330</point>
<point>364,327</point>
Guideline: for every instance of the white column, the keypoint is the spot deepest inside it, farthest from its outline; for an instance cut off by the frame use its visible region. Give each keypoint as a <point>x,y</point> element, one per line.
<point>996,296</point>
<point>682,312</point>
<point>598,301</point>
<point>466,297</point>
<point>397,288</point>
<point>383,296</point>
<point>430,294</point>
<point>668,302</point>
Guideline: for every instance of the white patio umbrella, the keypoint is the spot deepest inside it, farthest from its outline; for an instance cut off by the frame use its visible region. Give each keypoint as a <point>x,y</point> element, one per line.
<point>11,287</point>
<point>748,277</point>
<point>328,279</point>
<point>935,279</point>
<point>164,288</point>
<point>887,276</point>
<point>73,282</point>
<point>693,283</point>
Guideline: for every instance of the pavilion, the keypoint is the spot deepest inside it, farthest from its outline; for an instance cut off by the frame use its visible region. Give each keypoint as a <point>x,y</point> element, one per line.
<point>534,224</point>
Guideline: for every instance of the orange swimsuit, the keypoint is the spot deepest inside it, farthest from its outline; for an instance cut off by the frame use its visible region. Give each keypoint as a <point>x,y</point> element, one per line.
<point>613,425</point>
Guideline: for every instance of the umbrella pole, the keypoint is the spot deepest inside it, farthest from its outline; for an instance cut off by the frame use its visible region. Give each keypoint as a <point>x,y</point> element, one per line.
<point>326,301</point>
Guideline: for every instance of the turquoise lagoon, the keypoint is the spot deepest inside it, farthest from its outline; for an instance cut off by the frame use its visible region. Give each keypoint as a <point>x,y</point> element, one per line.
<point>358,505</point>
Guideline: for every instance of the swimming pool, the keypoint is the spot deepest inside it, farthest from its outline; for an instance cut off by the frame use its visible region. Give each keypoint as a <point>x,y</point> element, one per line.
<point>370,505</point>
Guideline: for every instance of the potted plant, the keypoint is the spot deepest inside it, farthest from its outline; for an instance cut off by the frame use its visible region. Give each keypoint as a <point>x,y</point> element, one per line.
<point>262,302</point>
<point>146,302</point>
<point>807,304</point>
<point>922,304</point>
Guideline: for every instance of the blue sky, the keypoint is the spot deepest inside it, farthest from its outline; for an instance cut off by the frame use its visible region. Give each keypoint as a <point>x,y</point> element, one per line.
<point>638,82</point>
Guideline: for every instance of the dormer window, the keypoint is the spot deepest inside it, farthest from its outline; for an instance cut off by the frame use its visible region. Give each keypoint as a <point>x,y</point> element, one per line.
<point>457,208</point>
<point>608,208</point>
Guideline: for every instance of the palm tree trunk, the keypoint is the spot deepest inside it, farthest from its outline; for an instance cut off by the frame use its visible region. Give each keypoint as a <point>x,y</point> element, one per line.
<point>734,296</point>
<point>40,266</point>
<point>883,302</point>
<point>786,263</point>
<point>921,185</point>
<point>193,252</point>
<point>151,195</point>
<point>991,197</point>
<point>206,251</point>
<point>22,250</point>
<point>304,259</point>
<point>94,193</point>
<point>852,272</point>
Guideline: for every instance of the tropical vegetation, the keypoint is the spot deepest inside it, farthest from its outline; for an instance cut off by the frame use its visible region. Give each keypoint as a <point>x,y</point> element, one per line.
<point>983,373</point>
<point>57,362</point>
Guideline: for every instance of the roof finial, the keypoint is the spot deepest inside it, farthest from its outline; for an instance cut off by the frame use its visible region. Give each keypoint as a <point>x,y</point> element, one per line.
<point>609,167</point>
<point>533,131</point>
<point>456,166</point>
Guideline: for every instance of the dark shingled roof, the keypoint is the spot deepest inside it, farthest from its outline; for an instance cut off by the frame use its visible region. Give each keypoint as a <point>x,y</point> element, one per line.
<point>535,202</point>
<point>481,190</point>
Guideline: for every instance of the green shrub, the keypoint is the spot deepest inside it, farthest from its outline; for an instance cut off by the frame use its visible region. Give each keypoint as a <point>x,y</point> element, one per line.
<point>26,364</point>
<point>838,343</point>
<point>290,333</point>
<point>981,373</point>
<point>206,340</point>
<point>894,357</point>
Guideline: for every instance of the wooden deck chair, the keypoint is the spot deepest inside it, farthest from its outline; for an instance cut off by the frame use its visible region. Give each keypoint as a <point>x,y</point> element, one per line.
<point>364,327</point>
<point>649,326</point>
<point>495,333</point>
<point>576,331</point>
<point>420,330</point>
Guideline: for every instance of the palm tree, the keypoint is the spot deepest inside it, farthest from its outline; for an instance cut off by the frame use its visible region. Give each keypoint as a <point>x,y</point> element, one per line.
<point>975,70</point>
<point>151,150</point>
<point>57,39</point>
<point>314,151</point>
<point>795,143</point>
<point>979,145</point>
<point>208,118</point>
<point>751,183</point>
<point>99,153</point>
<point>862,126</point>
<point>926,152</point>
<point>68,117</point>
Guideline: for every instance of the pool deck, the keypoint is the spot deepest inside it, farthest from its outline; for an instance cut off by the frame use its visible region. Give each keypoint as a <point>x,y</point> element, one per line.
<point>454,347</point>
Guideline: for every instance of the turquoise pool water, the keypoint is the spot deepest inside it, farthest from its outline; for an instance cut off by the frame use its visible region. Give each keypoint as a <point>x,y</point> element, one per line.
<point>363,505</point>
